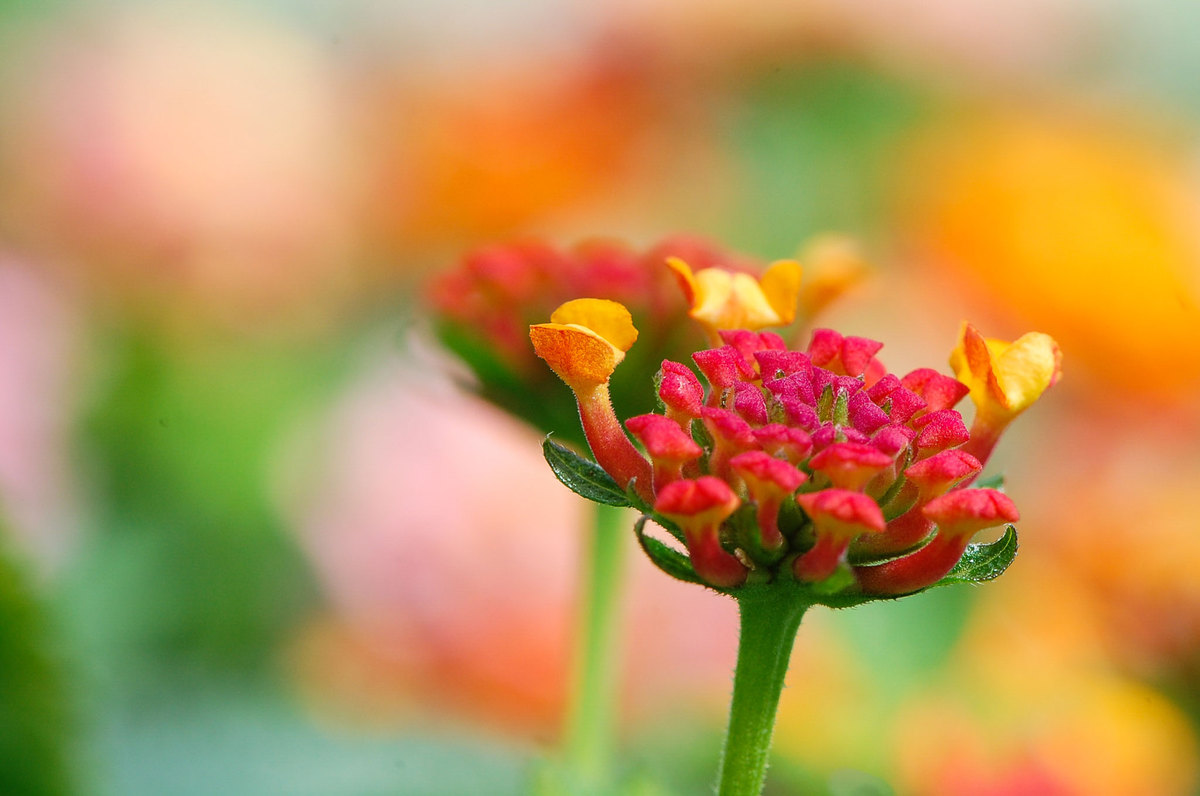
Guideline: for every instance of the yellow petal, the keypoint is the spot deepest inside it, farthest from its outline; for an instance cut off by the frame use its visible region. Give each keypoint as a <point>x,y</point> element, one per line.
<point>833,265</point>
<point>1005,378</point>
<point>715,294</point>
<point>780,285</point>
<point>685,277</point>
<point>723,299</point>
<point>748,307</point>
<point>1026,368</point>
<point>608,319</point>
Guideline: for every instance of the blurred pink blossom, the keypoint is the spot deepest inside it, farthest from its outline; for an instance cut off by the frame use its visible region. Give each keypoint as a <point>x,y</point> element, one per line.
<point>447,546</point>
<point>38,338</point>
<point>195,154</point>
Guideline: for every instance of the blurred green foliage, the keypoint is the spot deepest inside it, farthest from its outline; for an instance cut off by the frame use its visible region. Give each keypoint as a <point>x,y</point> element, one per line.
<point>36,731</point>
<point>191,566</point>
<point>816,145</point>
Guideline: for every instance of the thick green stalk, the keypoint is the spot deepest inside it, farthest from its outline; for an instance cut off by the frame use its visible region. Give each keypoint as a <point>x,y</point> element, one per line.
<point>591,713</point>
<point>769,621</point>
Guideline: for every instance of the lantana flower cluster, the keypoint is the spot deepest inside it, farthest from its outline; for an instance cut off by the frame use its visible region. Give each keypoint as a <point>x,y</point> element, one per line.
<point>485,305</point>
<point>816,465</point>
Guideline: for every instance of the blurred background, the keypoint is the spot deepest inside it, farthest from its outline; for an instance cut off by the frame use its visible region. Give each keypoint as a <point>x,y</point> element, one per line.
<point>254,540</point>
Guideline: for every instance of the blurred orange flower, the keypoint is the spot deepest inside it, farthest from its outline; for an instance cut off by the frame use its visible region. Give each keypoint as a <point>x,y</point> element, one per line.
<point>1072,225</point>
<point>1029,704</point>
<point>486,156</point>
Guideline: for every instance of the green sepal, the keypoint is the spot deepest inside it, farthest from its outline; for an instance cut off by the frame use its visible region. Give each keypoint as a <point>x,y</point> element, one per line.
<point>841,579</point>
<point>991,482</point>
<point>983,562</point>
<point>583,476</point>
<point>635,500</point>
<point>702,438</point>
<point>669,560</point>
<point>825,404</point>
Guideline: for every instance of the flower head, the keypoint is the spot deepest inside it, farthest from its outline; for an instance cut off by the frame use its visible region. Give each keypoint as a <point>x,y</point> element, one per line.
<point>484,307</point>
<point>840,473</point>
<point>810,464</point>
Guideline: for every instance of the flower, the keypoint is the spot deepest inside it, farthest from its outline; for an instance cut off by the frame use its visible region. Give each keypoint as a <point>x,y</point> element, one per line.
<point>1005,379</point>
<point>699,507</point>
<point>958,516</point>
<point>1068,220</point>
<point>585,341</point>
<point>668,445</point>
<point>722,299</point>
<point>814,467</point>
<point>583,344</point>
<point>770,482</point>
<point>484,306</point>
<point>838,517</point>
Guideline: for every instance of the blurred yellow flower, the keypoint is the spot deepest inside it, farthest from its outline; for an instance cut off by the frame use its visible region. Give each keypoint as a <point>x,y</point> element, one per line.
<point>833,264</point>
<point>723,299</point>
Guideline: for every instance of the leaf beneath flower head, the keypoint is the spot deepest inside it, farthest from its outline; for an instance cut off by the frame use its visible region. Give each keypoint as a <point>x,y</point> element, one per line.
<point>984,562</point>
<point>582,476</point>
<point>666,558</point>
<point>979,564</point>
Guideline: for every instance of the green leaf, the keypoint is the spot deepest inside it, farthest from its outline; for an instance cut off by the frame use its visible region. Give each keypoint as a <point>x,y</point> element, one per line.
<point>979,564</point>
<point>583,477</point>
<point>635,500</point>
<point>668,559</point>
<point>991,482</point>
<point>984,562</point>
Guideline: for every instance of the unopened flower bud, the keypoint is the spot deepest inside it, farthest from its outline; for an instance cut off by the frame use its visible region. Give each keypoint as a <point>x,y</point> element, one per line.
<point>850,465</point>
<point>681,393</point>
<point>769,481</point>
<point>668,446</point>
<point>699,507</point>
<point>958,516</point>
<point>838,516</point>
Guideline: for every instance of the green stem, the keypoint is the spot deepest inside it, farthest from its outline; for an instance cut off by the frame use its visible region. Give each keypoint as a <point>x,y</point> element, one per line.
<point>591,714</point>
<point>768,631</point>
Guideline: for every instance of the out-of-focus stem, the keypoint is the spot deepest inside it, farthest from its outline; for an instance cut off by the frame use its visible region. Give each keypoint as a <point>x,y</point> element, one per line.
<point>592,710</point>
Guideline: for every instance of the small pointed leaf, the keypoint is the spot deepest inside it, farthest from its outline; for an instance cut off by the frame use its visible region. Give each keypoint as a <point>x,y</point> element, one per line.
<point>583,477</point>
<point>666,558</point>
<point>984,562</point>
